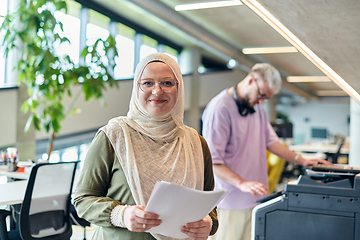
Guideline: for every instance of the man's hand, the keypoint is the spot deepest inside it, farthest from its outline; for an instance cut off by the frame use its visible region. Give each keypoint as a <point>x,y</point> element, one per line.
<point>309,162</point>
<point>232,178</point>
<point>254,188</point>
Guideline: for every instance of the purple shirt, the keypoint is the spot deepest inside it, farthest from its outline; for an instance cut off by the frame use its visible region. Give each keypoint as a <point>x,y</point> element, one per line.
<point>240,143</point>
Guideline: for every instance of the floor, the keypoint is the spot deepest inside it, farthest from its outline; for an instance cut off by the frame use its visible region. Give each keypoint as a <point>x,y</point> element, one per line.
<point>78,233</point>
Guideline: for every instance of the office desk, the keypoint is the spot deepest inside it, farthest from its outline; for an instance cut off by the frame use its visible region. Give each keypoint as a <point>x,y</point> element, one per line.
<point>16,175</point>
<point>324,148</point>
<point>12,192</point>
<point>329,150</point>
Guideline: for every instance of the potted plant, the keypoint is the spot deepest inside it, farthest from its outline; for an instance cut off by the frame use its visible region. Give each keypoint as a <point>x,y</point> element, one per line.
<point>49,76</point>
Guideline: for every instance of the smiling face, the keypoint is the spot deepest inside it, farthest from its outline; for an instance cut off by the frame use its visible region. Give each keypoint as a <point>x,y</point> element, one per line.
<point>156,102</point>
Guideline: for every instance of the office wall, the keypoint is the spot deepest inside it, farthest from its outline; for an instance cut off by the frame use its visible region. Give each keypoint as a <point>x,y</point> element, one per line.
<point>93,114</point>
<point>332,114</point>
<point>8,104</point>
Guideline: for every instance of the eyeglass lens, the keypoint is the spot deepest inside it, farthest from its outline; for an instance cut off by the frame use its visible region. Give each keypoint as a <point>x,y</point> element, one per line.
<point>167,85</point>
<point>261,95</point>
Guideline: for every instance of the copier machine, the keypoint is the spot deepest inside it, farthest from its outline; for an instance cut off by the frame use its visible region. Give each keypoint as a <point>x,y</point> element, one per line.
<point>323,204</point>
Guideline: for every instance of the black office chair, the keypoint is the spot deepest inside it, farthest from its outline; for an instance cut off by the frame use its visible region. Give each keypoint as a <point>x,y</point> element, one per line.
<point>45,211</point>
<point>334,157</point>
<point>337,154</point>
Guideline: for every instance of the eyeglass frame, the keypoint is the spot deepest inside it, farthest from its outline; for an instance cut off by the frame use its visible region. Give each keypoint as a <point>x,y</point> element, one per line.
<point>176,82</point>
<point>260,95</point>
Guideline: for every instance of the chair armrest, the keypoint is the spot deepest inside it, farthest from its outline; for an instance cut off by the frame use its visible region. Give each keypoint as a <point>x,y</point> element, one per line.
<point>4,213</point>
<point>3,229</point>
<point>76,220</point>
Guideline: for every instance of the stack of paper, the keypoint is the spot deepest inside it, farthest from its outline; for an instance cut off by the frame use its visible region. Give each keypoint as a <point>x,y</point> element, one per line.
<point>177,205</point>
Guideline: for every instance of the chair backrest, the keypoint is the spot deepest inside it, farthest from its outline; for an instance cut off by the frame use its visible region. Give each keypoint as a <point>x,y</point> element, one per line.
<point>340,143</point>
<point>45,212</point>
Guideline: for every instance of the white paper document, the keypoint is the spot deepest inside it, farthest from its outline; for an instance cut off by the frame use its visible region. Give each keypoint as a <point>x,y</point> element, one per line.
<point>177,205</point>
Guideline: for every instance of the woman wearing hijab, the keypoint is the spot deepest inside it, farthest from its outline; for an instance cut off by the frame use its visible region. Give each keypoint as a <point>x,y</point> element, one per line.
<point>131,153</point>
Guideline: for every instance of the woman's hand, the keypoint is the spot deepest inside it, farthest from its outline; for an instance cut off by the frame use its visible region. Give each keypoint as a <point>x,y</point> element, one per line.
<point>199,230</point>
<point>253,187</point>
<point>137,220</point>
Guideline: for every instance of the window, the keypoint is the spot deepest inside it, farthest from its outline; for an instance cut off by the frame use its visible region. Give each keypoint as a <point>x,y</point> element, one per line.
<point>171,52</point>
<point>74,153</point>
<point>97,27</point>
<point>125,46</point>
<point>71,26</point>
<point>70,154</point>
<point>148,46</point>
<point>3,12</point>
<point>83,151</point>
<point>54,157</point>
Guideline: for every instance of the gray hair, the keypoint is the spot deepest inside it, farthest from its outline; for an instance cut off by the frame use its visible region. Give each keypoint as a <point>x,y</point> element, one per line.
<point>269,74</point>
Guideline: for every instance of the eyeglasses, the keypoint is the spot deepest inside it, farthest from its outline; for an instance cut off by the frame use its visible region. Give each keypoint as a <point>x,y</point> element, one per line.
<point>166,84</point>
<point>260,95</point>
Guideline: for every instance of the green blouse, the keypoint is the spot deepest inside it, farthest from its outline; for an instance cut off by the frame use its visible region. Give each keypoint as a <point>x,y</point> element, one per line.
<point>103,185</point>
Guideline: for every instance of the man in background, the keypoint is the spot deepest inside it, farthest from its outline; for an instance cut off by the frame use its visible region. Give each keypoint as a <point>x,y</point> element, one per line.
<point>238,132</point>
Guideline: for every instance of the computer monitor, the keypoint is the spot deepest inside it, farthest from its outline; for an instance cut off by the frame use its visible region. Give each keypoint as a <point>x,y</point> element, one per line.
<point>319,133</point>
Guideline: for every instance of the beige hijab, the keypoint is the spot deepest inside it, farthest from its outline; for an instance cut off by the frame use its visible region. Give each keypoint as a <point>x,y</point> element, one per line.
<point>152,149</point>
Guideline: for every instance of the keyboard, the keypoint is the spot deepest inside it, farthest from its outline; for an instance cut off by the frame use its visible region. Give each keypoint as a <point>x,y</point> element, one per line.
<point>335,168</point>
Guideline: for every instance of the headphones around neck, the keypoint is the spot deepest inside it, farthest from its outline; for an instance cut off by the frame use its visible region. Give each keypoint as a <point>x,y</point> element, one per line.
<point>243,108</point>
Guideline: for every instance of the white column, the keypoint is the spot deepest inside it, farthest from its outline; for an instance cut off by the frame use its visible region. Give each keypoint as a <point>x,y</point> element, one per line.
<point>354,156</point>
<point>84,19</point>
<point>160,48</point>
<point>137,45</point>
<point>270,108</point>
<point>189,62</point>
<point>25,141</point>
<point>111,54</point>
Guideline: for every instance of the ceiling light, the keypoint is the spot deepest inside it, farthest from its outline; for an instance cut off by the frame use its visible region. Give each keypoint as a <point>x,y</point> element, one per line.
<point>231,64</point>
<point>331,93</point>
<point>290,37</point>
<point>308,79</point>
<point>192,6</point>
<point>266,50</point>
<point>201,69</point>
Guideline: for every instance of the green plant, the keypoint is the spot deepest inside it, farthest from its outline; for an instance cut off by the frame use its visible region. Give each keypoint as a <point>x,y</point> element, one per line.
<point>283,117</point>
<point>48,75</point>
